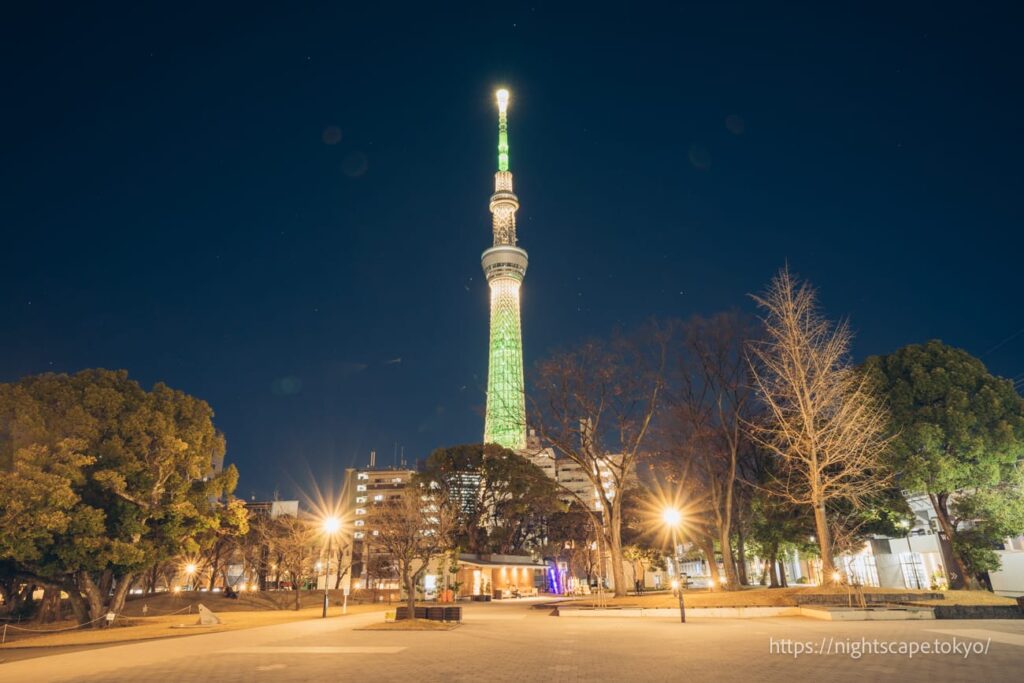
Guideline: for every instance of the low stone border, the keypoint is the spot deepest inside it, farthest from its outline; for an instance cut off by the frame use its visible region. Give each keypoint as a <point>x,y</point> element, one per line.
<point>823,613</point>
<point>978,612</point>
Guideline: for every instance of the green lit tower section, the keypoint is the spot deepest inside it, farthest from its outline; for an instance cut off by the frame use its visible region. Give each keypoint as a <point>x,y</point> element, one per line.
<point>505,266</point>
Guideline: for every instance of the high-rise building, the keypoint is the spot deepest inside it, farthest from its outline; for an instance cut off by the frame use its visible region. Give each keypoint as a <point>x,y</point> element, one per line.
<point>504,266</point>
<point>366,491</point>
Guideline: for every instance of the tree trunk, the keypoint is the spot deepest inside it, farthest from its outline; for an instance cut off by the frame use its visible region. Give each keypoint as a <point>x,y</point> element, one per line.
<point>615,543</point>
<point>78,604</point>
<point>410,592</point>
<point>707,546</point>
<point>152,579</point>
<point>741,558</point>
<point>49,607</point>
<point>940,503</point>
<point>828,567</point>
<point>124,584</point>
<point>94,598</point>
<point>782,574</point>
<point>773,576</point>
<point>731,580</point>
<point>214,567</point>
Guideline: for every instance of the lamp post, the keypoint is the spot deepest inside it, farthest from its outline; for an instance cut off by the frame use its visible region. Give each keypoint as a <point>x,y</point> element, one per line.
<point>672,518</point>
<point>190,570</point>
<point>331,526</point>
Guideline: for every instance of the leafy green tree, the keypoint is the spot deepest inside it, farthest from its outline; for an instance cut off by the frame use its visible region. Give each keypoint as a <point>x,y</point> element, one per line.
<point>959,438</point>
<point>138,467</point>
<point>502,501</point>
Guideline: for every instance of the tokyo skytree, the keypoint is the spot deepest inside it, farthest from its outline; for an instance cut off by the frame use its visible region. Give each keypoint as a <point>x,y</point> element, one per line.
<point>505,267</point>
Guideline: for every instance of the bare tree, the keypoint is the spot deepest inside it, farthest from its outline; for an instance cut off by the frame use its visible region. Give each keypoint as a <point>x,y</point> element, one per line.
<point>708,404</point>
<point>823,422</point>
<point>293,546</point>
<point>594,405</point>
<point>415,530</point>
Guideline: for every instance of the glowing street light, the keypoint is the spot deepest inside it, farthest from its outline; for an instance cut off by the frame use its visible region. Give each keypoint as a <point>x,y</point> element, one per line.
<point>331,526</point>
<point>190,571</point>
<point>673,519</point>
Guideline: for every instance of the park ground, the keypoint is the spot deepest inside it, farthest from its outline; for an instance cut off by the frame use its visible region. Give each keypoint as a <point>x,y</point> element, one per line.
<point>522,641</point>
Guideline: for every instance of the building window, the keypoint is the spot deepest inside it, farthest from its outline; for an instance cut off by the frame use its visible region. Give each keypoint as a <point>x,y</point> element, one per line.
<point>358,534</point>
<point>362,475</point>
<point>360,511</point>
<point>378,497</point>
<point>360,522</point>
<point>361,499</point>
<point>360,487</point>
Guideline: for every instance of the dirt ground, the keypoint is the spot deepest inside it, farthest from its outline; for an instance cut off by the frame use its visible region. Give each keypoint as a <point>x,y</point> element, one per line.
<point>784,597</point>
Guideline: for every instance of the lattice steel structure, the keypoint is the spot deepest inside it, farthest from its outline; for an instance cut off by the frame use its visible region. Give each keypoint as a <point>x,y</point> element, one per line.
<point>505,267</point>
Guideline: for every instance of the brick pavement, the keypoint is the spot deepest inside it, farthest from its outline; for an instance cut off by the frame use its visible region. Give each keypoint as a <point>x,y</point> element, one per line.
<point>511,642</point>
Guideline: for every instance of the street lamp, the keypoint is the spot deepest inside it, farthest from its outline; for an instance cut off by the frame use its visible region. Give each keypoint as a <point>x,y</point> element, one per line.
<point>331,525</point>
<point>672,518</point>
<point>190,570</point>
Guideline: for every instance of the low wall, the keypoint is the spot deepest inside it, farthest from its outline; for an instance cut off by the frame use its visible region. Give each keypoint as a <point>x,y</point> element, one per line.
<point>697,612</point>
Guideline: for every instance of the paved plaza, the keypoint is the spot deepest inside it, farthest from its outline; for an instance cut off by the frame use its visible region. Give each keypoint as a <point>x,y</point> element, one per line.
<point>515,642</point>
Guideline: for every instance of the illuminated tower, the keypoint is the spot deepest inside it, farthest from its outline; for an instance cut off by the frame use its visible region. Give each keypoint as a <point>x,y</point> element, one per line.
<point>505,266</point>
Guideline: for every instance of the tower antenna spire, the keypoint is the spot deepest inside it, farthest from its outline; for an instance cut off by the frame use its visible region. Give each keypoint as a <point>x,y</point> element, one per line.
<point>502,96</point>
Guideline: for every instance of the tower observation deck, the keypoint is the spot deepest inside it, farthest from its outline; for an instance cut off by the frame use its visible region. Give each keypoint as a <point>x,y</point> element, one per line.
<point>504,266</point>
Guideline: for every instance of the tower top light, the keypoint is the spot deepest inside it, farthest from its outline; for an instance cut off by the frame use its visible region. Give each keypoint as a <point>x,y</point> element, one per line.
<point>502,95</point>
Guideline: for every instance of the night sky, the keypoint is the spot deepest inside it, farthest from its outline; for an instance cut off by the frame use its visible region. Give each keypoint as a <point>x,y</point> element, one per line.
<point>283,213</point>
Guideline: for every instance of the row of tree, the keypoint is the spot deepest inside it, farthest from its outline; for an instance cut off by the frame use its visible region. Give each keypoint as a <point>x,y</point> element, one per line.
<point>771,438</point>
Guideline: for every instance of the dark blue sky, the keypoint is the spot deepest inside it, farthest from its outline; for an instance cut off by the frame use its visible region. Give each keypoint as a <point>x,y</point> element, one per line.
<point>175,199</point>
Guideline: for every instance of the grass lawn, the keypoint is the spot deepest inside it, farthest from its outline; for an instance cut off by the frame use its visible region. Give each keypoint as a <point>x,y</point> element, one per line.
<point>786,597</point>
<point>166,626</point>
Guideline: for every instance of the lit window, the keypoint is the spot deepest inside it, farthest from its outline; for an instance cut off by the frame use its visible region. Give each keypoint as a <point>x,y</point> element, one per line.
<point>360,487</point>
<point>362,475</point>
<point>358,534</point>
<point>378,497</point>
<point>360,522</point>
<point>361,499</point>
<point>376,533</point>
<point>360,511</point>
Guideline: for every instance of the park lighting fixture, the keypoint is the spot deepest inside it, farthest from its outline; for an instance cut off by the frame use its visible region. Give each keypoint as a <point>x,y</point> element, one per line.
<point>836,576</point>
<point>190,568</point>
<point>672,517</point>
<point>502,96</point>
<point>331,525</point>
